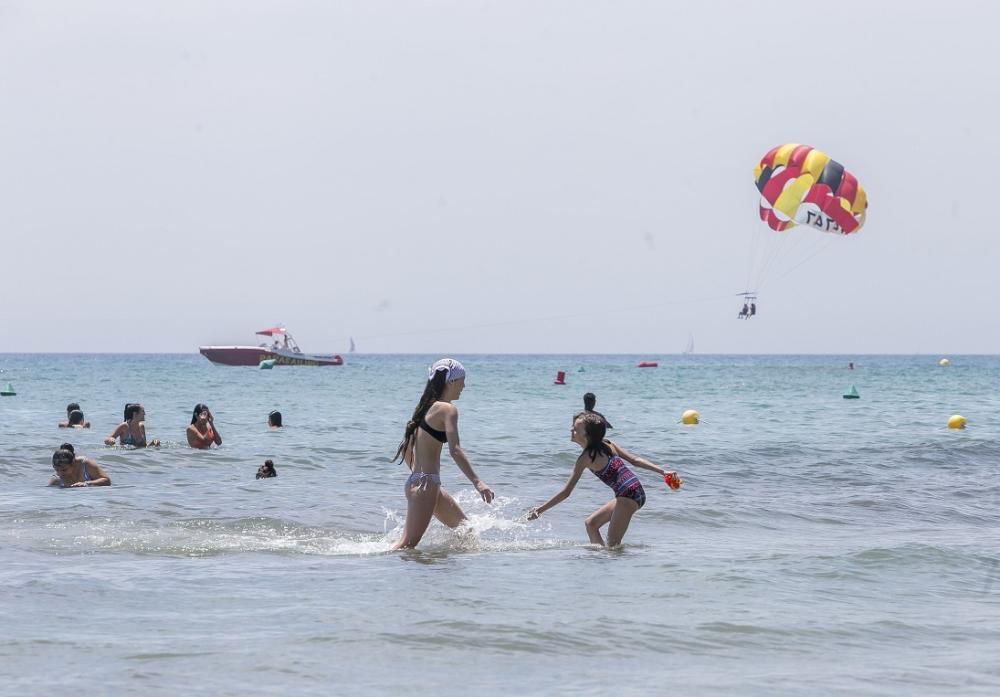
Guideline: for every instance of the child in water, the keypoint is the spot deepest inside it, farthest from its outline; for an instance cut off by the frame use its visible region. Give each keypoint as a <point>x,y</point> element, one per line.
<point>266,471</point>
<point>607,461</point>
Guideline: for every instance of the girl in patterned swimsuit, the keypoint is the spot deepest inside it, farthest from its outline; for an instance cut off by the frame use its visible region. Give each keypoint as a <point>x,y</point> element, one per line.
<point>434,423</point>
<point>608,463</point>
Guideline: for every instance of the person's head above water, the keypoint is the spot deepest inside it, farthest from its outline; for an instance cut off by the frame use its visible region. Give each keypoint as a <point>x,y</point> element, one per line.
<point>199,409</point>
<point>274,419</point>
<point>589,401</point>
<point>132,410</point>
<point>266,470</point>
<point>62,458</point>
<point>71,407</point>
<point>76,418</point>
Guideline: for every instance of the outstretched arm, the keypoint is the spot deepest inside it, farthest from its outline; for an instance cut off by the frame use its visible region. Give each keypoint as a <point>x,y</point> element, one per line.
<point>634,459</point>
<point>458,455</point>
<point>563,493</point>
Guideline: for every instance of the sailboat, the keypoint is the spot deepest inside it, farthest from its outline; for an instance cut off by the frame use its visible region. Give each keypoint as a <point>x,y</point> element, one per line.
<point>351,350</point>
<point>690,345</point>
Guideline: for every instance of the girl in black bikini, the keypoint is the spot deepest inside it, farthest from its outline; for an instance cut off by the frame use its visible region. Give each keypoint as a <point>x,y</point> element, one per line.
<point>434,423</point>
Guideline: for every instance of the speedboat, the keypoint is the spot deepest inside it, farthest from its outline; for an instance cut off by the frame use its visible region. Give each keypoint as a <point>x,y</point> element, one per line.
<point>282,350</point>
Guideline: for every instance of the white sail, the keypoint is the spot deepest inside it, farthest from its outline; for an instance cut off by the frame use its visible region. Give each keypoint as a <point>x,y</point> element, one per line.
<point>690,344</point>
<point>352,345</point>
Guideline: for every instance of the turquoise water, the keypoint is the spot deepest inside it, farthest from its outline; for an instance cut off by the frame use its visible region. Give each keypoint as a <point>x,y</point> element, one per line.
<point>819,545</point>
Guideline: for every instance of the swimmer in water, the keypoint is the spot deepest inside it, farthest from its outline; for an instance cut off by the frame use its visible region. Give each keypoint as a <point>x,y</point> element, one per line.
<point>202,432</point>
<point>131,431</point>
<point>73,472</point>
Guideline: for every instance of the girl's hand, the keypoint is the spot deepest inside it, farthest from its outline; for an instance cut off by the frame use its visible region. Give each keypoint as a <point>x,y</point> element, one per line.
<point>533,514</point>
<point>78,484</point>
<point>484,491</point>
<point>109,441</point>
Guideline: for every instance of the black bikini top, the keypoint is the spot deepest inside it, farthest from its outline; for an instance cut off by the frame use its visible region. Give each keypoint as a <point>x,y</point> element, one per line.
<point>433,432</point>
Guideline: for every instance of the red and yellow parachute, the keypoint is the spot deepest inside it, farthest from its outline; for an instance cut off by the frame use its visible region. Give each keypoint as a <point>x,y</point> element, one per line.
<point>800,185</point>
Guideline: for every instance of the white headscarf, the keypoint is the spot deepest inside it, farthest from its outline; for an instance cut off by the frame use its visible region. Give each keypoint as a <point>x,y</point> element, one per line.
<point>456,371</point>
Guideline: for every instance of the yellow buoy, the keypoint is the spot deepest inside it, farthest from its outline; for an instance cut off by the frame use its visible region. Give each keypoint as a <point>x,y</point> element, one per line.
<point>956,421</point>
<point>689,418</point>
<point>944,363</point>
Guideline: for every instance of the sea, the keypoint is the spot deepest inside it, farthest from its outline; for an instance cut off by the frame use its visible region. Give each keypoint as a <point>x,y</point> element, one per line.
<point>818,545</point>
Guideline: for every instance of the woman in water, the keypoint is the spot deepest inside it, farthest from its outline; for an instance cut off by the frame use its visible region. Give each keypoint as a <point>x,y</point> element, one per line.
<point>434,423</point>
<point>74,417</point>
<point>607,461</point>
<point>132,431</point>
<point>274,419</point>
<point>202,431</point>
<point>73,471</point>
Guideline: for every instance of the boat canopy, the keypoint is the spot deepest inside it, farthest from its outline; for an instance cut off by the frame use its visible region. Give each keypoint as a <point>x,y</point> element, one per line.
<point>273,331</point>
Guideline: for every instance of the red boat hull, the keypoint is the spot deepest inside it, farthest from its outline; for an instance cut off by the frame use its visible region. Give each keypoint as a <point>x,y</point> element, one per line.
<point>253,355</point>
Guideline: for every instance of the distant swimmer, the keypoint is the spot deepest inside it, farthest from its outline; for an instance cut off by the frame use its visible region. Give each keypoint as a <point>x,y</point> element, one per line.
<point>72,472</point>
<point>607,461</point>
<point>266,471</point>
<point>131,431</point>
<point>74,417</point>
<point>589,402</point>
<point>274,419</point>
<point>203,432</point>
<point>434,423</point>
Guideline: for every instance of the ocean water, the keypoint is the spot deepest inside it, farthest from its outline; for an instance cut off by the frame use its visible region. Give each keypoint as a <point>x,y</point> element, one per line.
<point>818,545</point>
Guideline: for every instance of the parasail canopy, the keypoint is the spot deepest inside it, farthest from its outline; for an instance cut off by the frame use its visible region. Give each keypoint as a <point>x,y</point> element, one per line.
<point>800,185</point>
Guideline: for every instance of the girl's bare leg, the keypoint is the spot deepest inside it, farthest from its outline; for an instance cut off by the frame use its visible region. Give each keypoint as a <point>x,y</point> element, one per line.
<point>620,518</point>
<point>596,520</point>
<point>421,500</point>
<point>448,511</point>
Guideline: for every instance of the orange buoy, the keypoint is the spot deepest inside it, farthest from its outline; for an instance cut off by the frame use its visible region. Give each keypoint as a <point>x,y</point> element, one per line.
<point>560,378</point>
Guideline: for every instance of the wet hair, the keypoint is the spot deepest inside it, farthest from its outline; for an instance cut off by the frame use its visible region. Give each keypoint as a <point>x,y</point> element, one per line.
<point>595,430</point>
<point>198,408</point>
<point>266,470</point>
<point>72,406</point>
<point>432,393</point>
<point>75,417</point>
<point>130,410</point>
<point>62,456</point>
<point>69,447</point>
<point>274,418</point>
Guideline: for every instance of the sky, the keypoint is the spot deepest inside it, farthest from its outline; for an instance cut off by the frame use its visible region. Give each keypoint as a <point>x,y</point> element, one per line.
<point>491,177</point>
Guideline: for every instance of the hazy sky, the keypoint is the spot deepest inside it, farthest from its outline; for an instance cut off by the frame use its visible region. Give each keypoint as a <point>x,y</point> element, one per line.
<point>466,176</point>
